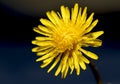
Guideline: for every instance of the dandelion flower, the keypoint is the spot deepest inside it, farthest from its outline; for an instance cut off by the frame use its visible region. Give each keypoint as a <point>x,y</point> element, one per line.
<point>62,39</point>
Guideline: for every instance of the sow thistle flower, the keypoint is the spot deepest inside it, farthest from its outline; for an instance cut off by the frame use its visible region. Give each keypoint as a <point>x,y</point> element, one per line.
<point>62,39</point>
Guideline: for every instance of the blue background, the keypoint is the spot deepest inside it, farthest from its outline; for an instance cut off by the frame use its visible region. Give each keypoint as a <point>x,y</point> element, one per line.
<point>17,62</point>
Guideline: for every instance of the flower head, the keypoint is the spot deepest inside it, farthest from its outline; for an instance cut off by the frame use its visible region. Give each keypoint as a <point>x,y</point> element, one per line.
<point>63,37</point>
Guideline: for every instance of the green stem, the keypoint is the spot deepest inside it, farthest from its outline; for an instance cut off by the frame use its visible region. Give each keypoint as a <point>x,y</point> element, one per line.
<point>95,72</point>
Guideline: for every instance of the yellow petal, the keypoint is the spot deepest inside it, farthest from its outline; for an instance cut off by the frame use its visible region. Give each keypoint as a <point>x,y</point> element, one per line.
<point>71,64</point>
<point>51,17</point>
<point>45,29</point>
<point>51,57</point>
<point>93,43</point>
<point>46,56</point>
<point>43,38</point>
<point>97,34</point>
<point>89,20</point>
<point>63,67</point>
<point>74,13</point>
<point>44,52</point>
<point>58,69</point>
<point>68,14</point>
<point>84,15</point>
<point>91,26</point>
<point>82,64</point>
<point>47,23</point>
<point>57,19</point>
<point>81,25</point>
<point>84,59</point>
<point>45,64</point>
<point>89,54</point>
<point>44,43</point>
<point>64,74</point>
<point>59,15</point>
<point>63,70</point>
<point>38,49</point>
<point>78,20</point>
<point>41,32</point>
<point>64,60</point>
<point>65,13</point>
<point>93,35</point>
<point>76,63</point>
<point>70,61</point>
<point>72,68</point>
<point>35,49</point>
<point>55,63</point>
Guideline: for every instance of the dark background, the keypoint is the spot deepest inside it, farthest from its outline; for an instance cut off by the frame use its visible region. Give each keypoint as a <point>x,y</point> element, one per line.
<point>17,62</point>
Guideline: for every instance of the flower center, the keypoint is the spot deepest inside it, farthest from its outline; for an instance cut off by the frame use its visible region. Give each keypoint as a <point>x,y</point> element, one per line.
<point>66,39</point>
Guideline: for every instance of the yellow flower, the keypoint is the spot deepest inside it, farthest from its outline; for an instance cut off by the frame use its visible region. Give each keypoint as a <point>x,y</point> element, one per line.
<point>63,37</point>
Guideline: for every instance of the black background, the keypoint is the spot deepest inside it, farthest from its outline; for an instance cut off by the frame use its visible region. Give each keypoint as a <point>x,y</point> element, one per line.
<point>17,62</point>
